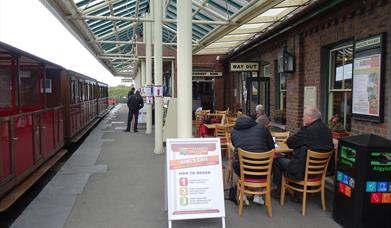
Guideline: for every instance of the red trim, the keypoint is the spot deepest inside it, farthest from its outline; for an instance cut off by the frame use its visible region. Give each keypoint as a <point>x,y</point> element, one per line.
<point>314,179</point>
<point>254,180</point>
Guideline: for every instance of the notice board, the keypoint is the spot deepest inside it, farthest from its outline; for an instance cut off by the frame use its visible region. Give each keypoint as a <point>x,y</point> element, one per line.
<point>194,179</point>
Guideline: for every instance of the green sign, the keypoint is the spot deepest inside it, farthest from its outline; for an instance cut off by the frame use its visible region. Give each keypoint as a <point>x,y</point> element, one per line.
<point>381,161</point>
<point>348,156</point>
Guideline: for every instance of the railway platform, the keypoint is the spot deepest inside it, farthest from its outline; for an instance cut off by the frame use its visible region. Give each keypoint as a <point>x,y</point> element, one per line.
<point>115,180</point>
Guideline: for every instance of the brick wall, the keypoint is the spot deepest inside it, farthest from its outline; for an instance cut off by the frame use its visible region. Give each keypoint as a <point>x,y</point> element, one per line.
<point>350,21</point>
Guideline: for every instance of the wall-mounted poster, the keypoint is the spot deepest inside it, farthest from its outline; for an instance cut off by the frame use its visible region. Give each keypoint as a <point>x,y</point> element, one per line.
<point>310,96</point>
<point>368,79</point>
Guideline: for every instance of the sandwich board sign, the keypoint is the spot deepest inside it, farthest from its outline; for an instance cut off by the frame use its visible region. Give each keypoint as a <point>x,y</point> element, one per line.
<point>194,179</point>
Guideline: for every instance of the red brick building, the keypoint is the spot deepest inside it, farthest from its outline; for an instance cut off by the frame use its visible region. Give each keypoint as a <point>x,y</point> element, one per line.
<point>328,41</point>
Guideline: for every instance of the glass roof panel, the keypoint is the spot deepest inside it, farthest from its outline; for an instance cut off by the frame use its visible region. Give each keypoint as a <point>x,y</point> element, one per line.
<point>219,26</point>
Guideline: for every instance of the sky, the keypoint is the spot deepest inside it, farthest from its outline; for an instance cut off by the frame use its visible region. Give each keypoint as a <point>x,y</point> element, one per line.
<point>29,26</point>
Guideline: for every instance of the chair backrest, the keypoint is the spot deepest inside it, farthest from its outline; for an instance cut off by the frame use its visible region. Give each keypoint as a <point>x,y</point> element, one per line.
<point>230,120</point>
<point>256,164</point>
<point>316,164</point>
<point>222,112</point>
<point>280,136</point>
<point>222,129</point>
<point>199,116</point>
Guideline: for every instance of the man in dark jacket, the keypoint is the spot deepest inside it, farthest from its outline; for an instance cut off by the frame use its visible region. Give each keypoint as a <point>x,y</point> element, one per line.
<point>250,136</point>
<point>135,103</point>
<point>314,135</point>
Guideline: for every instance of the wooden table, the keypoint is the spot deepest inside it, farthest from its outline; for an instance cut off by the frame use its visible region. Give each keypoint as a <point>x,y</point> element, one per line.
<point>283,148</point>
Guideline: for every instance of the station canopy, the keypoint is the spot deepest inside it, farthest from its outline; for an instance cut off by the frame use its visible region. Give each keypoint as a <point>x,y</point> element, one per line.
<point>108,28</point>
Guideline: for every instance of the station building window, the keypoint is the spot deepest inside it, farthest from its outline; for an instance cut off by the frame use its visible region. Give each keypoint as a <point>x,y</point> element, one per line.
<point>340,84</point>
<point>282,77</point>
<point>5,88</point>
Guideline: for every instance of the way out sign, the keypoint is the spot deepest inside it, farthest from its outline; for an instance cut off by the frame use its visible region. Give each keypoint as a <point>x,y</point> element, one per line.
<point>247,66</point>
<point>194,179</point>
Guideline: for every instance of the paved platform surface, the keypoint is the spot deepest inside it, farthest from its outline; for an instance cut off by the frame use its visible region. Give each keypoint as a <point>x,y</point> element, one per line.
<point>115,180</point>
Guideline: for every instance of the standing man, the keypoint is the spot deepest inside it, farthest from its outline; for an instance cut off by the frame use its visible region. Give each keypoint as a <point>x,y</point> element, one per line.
<point>135,103</point>
<point>130,93</point>
<point>314,135</point>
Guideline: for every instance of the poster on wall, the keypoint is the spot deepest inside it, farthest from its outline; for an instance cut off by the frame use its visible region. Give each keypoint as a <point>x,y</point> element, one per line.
<point>194,179</point>
<point>368,79</point>
<point>366,96</point>
<point>310,96</point>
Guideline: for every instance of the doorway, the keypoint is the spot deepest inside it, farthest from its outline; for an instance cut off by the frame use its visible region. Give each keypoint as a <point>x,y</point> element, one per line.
<point>203,94</point>
<point>257,93</point>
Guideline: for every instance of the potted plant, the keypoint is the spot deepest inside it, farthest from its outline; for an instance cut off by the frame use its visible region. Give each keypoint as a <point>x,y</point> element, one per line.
<point>337,127</point>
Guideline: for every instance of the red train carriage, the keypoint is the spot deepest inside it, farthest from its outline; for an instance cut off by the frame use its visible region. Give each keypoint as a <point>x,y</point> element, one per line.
<point>84,100</point>
<point>41,105</point>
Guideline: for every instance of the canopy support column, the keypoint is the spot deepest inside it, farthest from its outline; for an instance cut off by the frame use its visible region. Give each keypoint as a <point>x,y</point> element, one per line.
<point>184,76</point>
<point>158,75</point>
<point>148,71</point>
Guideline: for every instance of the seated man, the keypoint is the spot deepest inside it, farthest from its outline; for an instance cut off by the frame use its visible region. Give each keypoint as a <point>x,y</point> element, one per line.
<point>248,135</point>
<point>314,135</point>
<point>261,117</point>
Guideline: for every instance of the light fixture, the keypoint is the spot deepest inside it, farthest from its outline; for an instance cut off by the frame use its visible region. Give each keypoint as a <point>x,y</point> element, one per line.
<point>285,61</point>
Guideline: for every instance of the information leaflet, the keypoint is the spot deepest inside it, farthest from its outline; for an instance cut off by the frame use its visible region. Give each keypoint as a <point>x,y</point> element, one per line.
<point>194,179</point>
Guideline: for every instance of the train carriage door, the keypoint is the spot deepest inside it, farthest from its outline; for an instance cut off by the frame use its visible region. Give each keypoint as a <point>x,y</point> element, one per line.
<point>257,93</point>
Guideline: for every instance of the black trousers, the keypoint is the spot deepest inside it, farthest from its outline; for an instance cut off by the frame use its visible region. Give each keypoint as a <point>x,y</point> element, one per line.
<point>132,113</point>
<point>279,166</point>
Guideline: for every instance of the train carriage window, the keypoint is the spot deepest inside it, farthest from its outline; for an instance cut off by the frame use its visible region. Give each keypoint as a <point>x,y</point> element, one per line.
<point>80,92</point>
<point>86,92</point>
<point>5,88</point>
<point>29,88</point>
<point>73,92</point>
<point>91,91</point>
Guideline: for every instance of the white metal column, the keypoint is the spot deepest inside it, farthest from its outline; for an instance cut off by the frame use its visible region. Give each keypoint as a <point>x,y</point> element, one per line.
<point>158,75</point>
<point>184,76</point>
<point>172,79</point>
<point>148,72</point>
<point>142,69</point>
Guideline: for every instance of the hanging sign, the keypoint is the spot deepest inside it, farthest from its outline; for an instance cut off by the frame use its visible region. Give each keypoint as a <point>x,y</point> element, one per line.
<point>245,66</point>
<point>158,91</point>
<point>149,100</point>
<point>194,179</point>
<point>147,91</point>
<point>207,74</point>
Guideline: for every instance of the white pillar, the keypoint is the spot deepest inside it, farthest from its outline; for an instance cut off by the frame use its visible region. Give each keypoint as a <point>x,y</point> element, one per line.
<point>158,74</point>
<point>148,71</point>
<point>184,76</point>
<point>142,69</point>
<point>172,79</point>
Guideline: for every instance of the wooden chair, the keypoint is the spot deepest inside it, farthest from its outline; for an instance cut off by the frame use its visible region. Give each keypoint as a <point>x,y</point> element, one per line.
<point>221,132</point>
<point>230,120</point>
<point>280,136</point>
<point>314,178</point>
<point>255,164</point>
<point>225,112</point>
<point>229,169</point>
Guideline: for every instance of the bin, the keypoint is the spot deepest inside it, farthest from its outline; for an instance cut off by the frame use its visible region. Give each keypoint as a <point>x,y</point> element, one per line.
<point>362,196</point>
